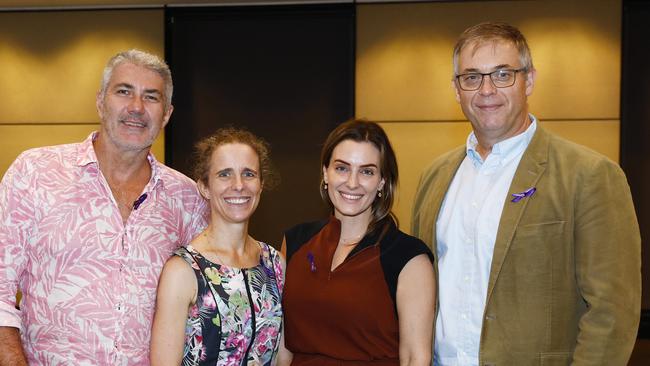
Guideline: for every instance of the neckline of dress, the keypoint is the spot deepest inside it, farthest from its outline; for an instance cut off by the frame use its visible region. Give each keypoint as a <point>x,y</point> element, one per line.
<point>191,248</point>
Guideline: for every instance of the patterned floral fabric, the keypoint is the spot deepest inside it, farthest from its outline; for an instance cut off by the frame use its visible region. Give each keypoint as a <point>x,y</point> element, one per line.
<point>222,333</point>
<point>88,280</point>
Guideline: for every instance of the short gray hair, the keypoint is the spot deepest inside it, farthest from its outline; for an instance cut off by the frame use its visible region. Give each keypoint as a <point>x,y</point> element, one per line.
<point>146,60</point>
<point>494,32</point>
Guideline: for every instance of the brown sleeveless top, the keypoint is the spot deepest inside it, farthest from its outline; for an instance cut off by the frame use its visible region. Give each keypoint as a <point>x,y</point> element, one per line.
<point>347,316</point>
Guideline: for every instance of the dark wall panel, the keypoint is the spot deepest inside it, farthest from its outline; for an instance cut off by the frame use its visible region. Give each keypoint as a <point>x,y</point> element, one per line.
<point>284,72</point>
<point>635,129</point>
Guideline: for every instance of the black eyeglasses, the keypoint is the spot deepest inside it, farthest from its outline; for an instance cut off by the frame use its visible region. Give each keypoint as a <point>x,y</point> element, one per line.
<point>502,78</point>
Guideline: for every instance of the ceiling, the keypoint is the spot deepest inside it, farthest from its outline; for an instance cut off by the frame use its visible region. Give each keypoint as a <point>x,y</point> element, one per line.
<point>99,4</point>
<point>96,4</point>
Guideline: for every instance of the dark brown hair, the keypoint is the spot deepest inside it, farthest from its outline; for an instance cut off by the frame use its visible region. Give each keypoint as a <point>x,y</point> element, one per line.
<point>228,135</point>
<point>360,130</point>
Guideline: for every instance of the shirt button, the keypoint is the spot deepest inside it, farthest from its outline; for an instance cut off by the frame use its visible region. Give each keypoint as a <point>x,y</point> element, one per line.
<point>466,278</point>
<point>463,316</point>
<point>474,204</point>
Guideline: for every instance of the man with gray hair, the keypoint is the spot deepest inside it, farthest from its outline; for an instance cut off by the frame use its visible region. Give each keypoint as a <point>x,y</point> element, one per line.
<point>536,240</point>
<point>85,229</point>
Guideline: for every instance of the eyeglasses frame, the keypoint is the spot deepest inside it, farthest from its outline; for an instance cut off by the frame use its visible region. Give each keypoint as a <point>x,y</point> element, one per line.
<point>484,74</point>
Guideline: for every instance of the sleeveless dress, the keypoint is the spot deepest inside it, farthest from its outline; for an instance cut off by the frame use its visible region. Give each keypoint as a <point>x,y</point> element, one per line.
<point>237,317</point>
<point>348,316</point>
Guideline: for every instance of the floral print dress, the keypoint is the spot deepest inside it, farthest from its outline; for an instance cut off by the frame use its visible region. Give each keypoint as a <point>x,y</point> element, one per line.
<point>221,329</point>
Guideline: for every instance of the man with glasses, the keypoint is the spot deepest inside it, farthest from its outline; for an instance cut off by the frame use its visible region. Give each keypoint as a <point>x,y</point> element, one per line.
<point>536,239</point>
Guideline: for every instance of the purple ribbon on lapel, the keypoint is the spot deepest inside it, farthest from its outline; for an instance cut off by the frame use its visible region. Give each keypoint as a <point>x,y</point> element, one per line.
<point>312,263</point>
<point>527,193</point>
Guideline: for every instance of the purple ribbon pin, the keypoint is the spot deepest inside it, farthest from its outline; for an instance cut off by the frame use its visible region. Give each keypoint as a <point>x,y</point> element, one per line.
<point>527,193</point>
<point>138,202</point>
<point>312,263</point>
<point>268,271</point>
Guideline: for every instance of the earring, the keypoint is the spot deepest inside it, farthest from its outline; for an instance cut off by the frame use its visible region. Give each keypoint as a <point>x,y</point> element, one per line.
<point>325,186</point>
<point>378,193</point>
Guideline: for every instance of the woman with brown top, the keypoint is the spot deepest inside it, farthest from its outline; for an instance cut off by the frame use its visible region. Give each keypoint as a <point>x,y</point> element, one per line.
<point>358,290</point>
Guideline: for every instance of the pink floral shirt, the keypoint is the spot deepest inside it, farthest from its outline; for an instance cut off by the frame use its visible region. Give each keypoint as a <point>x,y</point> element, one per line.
<point>88,280</point>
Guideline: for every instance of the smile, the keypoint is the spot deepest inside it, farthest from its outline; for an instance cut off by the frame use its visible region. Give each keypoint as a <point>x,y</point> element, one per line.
<point>489,107</point>
<point>136,124</point>
<point>349,196</point>
<point>237,200</point>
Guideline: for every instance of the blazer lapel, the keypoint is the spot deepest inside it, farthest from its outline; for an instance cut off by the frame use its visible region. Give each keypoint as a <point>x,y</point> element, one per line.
<point>437,194</point>
<point>530,170</point>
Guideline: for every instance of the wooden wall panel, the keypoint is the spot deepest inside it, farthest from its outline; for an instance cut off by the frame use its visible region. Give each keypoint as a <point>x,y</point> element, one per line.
<point>602,135</point>
<point>404,54</point>
<point>52,64</point>
<point>56,59</point>
<point>417,144</point>
<point>15,139</point>
<point>404,70</point>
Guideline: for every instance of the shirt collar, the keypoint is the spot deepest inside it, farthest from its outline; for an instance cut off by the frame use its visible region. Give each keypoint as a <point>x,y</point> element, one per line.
<point>86,155</point>
<point>86,152</point>
<point>505,149</point>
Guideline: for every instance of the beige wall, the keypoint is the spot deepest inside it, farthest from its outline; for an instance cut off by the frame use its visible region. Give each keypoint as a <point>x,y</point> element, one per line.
<point>52,63</point>
<point>404,70</point>
<point>51,66</point>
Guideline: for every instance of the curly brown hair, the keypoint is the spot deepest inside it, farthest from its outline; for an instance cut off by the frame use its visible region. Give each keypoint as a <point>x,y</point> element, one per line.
<point>227,135</point>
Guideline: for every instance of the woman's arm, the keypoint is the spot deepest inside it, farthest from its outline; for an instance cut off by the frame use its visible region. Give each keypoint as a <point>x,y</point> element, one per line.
<point>415,310</point>
<point>284,355</point>
<point>176,292</point>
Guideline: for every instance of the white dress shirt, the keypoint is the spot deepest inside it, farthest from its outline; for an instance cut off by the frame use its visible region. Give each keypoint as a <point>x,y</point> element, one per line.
<point>465,233</point>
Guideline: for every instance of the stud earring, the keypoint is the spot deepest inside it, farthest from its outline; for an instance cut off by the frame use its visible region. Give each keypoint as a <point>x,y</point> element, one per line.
<point>378,193</point>
<point>325,186</point>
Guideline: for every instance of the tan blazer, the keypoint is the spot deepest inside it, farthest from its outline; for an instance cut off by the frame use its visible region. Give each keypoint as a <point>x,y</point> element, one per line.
<point>565,281</point>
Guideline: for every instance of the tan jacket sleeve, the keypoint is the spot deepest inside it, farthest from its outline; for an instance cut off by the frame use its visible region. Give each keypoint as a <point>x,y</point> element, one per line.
<point>608,267</point>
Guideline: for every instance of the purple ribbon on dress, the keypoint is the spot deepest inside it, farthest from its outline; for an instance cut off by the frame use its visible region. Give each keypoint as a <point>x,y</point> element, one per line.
<point>527,193</point>
<point>269,272</point>
<point>312,263</point>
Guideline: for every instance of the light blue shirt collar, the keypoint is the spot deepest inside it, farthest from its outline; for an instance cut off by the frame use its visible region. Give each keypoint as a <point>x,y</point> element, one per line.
<point>503,150</point>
